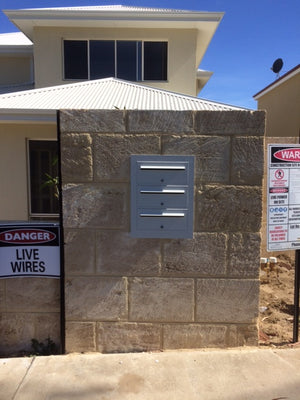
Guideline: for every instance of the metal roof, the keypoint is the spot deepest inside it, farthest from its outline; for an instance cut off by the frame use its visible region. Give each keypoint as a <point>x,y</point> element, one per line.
<point>109,93</point>
<point>14,39</point>
<point>113,7</point>
<point>15,43</point>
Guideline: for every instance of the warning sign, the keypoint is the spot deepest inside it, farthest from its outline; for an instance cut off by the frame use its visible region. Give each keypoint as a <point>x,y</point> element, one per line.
<point>283,197</point>
<point>30,251</point>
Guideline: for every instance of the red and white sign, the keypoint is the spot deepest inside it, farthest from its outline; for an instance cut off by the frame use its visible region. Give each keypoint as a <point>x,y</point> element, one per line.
<point>29,251</point>
<point>283,197</point>
<point>26,236</point>
<point>288,154</point>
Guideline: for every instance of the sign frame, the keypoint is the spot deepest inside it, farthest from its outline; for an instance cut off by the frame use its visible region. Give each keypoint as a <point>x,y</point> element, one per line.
<point>283,197</point>
<point>29,250</point>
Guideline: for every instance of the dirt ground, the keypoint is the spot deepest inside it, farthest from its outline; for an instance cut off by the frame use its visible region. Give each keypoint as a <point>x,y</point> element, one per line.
<point>277,303</point>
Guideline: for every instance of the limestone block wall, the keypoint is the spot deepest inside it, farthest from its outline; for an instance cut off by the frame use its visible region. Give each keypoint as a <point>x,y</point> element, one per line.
<point>125,294</point>
<point>29,309</point>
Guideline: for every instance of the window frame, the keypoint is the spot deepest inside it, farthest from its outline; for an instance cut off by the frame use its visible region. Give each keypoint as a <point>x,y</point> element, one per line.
<point>141,73</point>
<point>32,215</point>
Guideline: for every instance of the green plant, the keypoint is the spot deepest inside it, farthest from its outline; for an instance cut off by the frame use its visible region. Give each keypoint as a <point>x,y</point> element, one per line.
<point>53,181</point>
<point>43,349</point>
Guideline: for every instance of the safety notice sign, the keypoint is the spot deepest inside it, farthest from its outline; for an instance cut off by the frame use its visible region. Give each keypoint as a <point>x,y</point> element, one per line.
<point>28,250</point>
<point>283,197</point>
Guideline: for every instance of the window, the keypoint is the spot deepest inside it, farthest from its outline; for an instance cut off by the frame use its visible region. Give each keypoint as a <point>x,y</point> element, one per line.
<point>124,59</point>
<point>76,65</point>
<point>43,172</point>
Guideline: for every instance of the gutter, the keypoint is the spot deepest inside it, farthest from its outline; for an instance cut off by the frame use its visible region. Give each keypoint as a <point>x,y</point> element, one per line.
<point>16,116</point>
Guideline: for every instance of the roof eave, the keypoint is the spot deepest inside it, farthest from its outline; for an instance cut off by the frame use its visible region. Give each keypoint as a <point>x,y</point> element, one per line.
<point>21,116</point>
<point>278,82</point>
<point>18,50</point>
<point>202,78</point>
<point>26,20</point>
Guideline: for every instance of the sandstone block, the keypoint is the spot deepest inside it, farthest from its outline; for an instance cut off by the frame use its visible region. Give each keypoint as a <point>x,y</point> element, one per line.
<point>121,255</point>
<point>33,294</point>
<point>2,295</point>
<point>92,121</point>
<point>193,336</point>
<point>230,122</point>
<point>128,337</point>
<point>76,157</point>
<point>17,330</point>
<point>95,205</point>
<point>247,161</point>
<point>228,208</point>
<point>161,299</point>
<point>205,254</point>
<point>227,300</point>
<point>244,255</point>
<point>48,326</point>
<point>80,336</point>
<point>95,298</point>
<point>79,251</point>
<point>242,335</point>
<point>160,121</point>
<point>112,154</point>
<point>211,155</point>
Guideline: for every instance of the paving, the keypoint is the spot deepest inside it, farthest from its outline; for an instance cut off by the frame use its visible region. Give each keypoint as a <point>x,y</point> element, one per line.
<point>233,374</point>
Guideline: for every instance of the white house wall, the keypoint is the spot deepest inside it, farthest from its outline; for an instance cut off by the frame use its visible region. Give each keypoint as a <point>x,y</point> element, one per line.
<point>15,70</point>
<point>181,54</point>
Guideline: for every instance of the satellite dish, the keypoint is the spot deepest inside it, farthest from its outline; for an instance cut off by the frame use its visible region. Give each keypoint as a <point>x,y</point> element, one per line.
<point>277,65</point>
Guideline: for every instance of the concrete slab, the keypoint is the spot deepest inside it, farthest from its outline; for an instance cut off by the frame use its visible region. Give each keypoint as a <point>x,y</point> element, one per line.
<point>239,374</point>
<point>12,373</point>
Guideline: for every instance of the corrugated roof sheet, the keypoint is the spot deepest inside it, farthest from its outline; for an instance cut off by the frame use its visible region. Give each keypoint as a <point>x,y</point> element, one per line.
<point>118,8</point>
<point>14,39</point>
<point>109,93</point>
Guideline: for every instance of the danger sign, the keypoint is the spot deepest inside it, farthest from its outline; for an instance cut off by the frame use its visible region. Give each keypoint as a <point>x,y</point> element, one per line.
<point>29,251</point>
<point>283,197</point>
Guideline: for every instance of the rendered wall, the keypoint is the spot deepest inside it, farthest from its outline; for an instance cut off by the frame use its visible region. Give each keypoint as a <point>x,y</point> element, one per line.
<point>15,70</point>
<point>124,294</point>
<point>282,106</point>
<point>48,54</point>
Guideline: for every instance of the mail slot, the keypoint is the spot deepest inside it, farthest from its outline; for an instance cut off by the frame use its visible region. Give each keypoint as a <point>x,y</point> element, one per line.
<point>162,189</point>
<point>161,197</point>
<point>161,174</point>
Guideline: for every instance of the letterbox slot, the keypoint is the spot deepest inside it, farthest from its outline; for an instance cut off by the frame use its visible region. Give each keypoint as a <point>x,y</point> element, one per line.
<point>164,167</point>
<point>163,214</point>
<point>162,191</point>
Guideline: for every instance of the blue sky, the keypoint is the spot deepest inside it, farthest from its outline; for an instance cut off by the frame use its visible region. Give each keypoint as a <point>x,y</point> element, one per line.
<point>251,36</point>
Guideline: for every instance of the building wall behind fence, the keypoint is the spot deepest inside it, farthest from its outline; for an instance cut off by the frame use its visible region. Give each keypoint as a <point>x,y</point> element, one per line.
<point>126,294</point>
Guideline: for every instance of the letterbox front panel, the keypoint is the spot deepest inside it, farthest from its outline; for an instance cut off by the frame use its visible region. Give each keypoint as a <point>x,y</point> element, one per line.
<point>162,196</point>
<point>159,197</point>
<point>162,174</point>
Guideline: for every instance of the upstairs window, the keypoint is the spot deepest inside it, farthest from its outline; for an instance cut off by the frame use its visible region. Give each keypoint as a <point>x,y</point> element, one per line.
<point>43,178</point>
<point>130,60</point>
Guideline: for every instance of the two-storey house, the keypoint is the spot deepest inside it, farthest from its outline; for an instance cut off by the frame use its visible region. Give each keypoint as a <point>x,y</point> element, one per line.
<point>80,55</point>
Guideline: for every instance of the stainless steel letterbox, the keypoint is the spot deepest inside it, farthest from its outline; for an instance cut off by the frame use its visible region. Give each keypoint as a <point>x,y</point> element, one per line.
<point>162,196</point>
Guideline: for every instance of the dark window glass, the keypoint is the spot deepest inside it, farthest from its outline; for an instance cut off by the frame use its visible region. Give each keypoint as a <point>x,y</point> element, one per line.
<point>43,171</point>
<point>75,59</point>
<point>128,60</point>
<point>102,59</point>
<point>155,61</point>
